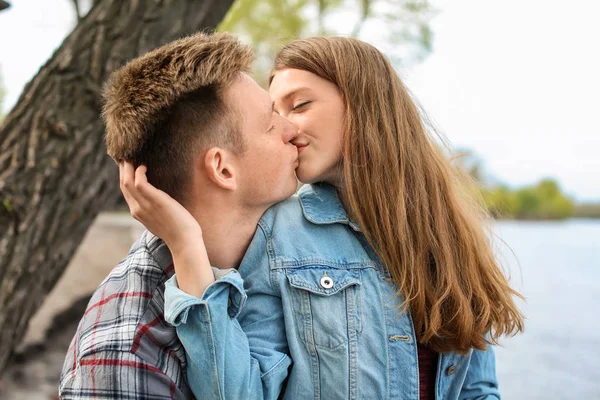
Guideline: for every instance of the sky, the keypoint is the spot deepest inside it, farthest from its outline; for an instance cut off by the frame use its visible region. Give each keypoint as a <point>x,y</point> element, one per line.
<point>515,81</point>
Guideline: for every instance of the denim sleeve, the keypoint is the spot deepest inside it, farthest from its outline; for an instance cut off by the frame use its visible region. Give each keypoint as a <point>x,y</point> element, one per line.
<point>223,362</point>
<point>481,382</point>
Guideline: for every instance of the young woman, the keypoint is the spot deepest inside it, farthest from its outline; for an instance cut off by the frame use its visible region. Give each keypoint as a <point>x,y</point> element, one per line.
<point>379,272</point>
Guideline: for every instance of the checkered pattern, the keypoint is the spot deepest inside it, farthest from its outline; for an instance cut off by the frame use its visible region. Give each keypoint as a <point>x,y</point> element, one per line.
<point>123,348</point>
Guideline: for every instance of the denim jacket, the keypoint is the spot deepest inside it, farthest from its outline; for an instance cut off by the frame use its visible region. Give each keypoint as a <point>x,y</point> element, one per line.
<point>314,292</point>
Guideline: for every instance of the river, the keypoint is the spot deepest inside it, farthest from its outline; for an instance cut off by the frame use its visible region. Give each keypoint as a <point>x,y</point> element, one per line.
<point>556,265</point>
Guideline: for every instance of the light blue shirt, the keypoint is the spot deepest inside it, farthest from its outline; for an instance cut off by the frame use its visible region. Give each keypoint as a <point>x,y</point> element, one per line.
<point>313,292</point>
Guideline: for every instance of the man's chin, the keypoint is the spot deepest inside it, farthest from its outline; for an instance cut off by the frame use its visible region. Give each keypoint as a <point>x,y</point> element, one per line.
<point>292,188</point>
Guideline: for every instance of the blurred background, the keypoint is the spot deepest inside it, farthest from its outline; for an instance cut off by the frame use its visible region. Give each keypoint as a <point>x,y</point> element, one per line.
<point>514,88</point>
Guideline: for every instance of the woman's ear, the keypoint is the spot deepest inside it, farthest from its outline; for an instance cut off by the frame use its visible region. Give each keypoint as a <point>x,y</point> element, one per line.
<point>220,168</point>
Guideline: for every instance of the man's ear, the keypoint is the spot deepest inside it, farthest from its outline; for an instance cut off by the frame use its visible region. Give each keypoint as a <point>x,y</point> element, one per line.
<point>219,165</point>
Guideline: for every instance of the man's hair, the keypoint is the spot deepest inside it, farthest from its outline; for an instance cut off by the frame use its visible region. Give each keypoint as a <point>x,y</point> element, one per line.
<point>164,107</point>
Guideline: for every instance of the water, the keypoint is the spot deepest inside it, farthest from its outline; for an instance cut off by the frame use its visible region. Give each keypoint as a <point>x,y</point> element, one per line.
<point>558,356</point>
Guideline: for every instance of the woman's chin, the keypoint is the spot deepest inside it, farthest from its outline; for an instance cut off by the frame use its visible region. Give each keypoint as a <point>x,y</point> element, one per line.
<point>306,177</point>
<point>311,175</point>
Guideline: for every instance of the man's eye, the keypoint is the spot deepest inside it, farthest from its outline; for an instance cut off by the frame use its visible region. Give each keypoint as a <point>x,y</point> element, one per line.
<point>300,105</point>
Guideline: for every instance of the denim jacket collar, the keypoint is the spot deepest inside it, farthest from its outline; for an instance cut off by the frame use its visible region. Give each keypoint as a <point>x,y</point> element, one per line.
<point>321,205</point>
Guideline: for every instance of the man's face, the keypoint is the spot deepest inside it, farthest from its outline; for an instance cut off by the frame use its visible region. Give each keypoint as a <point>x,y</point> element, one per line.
<point>266,168</point>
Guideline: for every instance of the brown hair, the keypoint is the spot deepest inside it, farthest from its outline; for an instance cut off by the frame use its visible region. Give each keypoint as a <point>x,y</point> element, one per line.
<point>163,107</point>
<point>410,202</point>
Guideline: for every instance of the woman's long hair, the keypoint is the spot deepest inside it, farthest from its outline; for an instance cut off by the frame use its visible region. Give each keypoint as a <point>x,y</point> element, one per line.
<point>410,203</point>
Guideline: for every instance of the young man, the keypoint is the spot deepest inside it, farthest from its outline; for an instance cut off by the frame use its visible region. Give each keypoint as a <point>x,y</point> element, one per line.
<point>210,139</point>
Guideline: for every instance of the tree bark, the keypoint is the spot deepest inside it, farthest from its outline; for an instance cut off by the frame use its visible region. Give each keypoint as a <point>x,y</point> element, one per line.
<point>55,175</point>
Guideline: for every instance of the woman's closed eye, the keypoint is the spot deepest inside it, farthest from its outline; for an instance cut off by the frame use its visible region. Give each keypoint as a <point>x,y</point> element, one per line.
<point>300,105</point>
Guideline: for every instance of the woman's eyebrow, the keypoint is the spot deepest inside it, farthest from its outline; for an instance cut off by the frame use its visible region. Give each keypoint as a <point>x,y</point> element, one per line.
<point>294,92</point>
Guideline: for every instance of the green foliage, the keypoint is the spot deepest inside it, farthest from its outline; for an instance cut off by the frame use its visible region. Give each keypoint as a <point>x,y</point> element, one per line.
<point>268,24</point>
<point>265,21</point>
<point>552,203</point>
<point>501,202</point>
<point>7,205</point>
<point>541,201</point>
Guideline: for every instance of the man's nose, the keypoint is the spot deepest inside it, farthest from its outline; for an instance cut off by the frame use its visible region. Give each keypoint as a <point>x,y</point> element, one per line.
<point>290,132</point>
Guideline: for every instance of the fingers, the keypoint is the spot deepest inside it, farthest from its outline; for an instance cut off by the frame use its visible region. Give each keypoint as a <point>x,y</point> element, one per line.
<point>142,198</point>
<point>148,194</point>
<point>145,192</point>
<point>127,184</point>
<point>141,180</point>
<point>127,178</point>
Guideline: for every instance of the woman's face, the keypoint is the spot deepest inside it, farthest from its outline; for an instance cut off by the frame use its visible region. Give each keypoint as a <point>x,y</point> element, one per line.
<point>315,106</point>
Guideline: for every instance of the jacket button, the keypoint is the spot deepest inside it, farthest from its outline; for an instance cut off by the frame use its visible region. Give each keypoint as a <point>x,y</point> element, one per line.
<point>451,370</point>
<point>326,282</point>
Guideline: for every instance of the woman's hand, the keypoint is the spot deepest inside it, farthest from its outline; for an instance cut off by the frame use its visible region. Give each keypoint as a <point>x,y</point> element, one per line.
<point>169,220</point>
<point>156,210</point>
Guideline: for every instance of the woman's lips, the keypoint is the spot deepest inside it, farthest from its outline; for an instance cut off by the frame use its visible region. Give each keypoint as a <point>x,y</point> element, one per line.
<point>301,147</point>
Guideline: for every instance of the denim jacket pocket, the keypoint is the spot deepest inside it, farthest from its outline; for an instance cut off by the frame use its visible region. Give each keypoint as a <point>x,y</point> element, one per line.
<point>326,302</point>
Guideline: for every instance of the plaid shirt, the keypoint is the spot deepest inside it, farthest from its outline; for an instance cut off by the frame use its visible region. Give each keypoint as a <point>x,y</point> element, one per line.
<point>123,347</point>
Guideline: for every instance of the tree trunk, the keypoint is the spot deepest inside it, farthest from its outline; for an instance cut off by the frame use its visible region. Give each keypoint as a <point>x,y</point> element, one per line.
<point>55,175</point>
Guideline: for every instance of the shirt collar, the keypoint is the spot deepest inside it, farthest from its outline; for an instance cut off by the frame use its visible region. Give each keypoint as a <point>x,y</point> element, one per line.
<point>321,205</point>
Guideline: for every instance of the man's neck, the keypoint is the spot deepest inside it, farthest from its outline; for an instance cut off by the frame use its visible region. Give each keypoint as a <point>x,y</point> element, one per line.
<point>227,232</point>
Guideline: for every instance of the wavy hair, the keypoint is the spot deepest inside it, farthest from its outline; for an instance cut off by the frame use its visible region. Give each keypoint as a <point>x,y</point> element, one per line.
<point>411,204</point>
